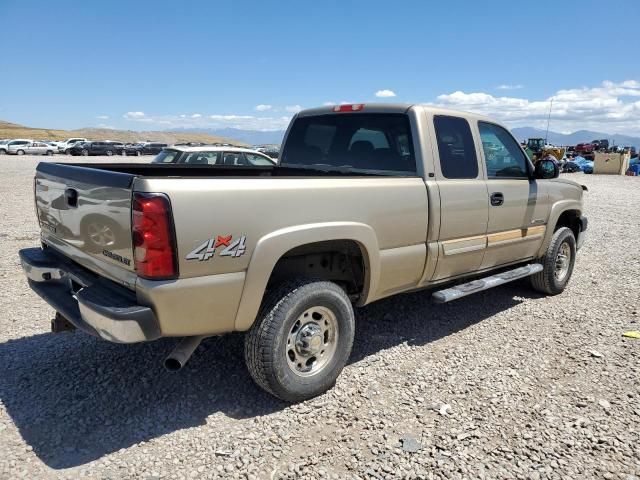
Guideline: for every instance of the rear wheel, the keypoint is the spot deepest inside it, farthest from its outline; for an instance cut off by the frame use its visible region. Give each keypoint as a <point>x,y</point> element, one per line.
<point>49,153</point>
<point>85,152</point>
<point>109,153</point>
<point>3,151</point>
<point>301,340</point>
<point>557,263</point>
<point>20,152</point>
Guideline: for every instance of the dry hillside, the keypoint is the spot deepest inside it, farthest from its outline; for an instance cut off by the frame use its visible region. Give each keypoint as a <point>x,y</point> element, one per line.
<point>12,130</point>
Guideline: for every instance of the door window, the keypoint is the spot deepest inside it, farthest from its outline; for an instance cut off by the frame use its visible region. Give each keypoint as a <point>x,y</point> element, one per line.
<point>234,158</point>
<point>502,154</point>
<point>455,146</point>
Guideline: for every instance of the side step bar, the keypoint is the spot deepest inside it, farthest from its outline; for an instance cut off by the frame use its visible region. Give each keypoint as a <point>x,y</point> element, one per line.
<point>459,291</point>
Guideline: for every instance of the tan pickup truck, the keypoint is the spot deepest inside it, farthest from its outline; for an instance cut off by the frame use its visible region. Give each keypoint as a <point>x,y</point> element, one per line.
<point>367,201</point>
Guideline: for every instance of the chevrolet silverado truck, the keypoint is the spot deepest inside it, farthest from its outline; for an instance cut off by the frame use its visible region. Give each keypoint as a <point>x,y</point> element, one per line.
<point>367,201</point>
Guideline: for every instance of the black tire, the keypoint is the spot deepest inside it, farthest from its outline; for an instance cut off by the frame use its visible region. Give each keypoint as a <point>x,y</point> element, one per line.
<point>20,152</point>
<point>3,151</point>
<point>109,153</point>
<point>85,152</point>
<point>268,346</point>
<point>49,153</point>
<point>547,281</point>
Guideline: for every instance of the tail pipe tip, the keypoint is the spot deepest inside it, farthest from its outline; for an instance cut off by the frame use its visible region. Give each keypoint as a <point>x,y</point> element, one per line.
<point>181,354</point>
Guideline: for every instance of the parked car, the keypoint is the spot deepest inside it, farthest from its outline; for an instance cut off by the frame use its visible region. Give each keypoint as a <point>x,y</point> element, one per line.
<point>13,146</point>
<point>144,148</point>
<point>97,148</point>
<point>36,148</point>
<point>213,155</point>
<point>368,201</point>
<point>10,147</point>
<point>65,146</point>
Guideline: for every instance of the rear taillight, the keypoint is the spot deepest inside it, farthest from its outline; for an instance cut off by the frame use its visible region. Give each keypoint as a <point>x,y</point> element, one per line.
<point>154,249</point>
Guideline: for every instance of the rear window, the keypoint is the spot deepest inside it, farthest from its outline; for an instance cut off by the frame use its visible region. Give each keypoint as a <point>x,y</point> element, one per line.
<point>373,142</point>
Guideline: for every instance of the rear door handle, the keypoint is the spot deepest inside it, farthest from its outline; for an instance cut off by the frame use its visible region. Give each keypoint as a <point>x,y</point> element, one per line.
<point>497,199</point>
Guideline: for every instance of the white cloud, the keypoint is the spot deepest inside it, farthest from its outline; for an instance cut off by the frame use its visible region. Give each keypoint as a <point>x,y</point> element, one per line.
<point>263,107</point>
<point>246,122</point>
<point>611,107</point>
<point>385,93</point>
<point>103,117</point>
<point>133,115</point>
<point>293,108</point>
<point>509,87</point>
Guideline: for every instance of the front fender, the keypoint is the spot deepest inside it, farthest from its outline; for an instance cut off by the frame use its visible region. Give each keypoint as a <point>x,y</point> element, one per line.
<point>270,248</point>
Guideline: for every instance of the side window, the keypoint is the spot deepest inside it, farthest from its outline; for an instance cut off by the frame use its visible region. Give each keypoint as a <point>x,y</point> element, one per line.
<point>455,146</point>
<point>234,158</point>
<point>199,158</point>
<point>502,154</point>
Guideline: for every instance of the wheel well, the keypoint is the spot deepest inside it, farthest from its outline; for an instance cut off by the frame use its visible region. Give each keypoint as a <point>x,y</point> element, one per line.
<point>339,261</point>
<point>569,219</point>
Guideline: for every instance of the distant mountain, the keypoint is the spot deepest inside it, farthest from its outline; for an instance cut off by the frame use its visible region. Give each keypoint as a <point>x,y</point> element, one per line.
<point>252,137</point>
<point>581,136</point>
<point>13,130</point>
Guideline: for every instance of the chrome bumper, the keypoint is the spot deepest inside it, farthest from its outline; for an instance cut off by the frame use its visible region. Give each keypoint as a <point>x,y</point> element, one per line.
<point>91,303</point>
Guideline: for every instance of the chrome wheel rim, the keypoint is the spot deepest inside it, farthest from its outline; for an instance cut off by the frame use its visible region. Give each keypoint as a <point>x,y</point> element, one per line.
<point>312,341</point>
<point>101,235</point>
<point>563,260</point>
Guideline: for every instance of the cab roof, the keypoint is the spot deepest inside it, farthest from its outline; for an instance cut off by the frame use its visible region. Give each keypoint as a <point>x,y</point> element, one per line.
<point>389,108</point>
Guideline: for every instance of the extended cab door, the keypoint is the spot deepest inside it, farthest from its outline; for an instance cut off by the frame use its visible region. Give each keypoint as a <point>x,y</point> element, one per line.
<point>464,208</point>
<point>518,205</point>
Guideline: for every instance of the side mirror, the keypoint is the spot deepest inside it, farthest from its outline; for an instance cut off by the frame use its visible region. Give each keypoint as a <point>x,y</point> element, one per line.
<point>547,169</point>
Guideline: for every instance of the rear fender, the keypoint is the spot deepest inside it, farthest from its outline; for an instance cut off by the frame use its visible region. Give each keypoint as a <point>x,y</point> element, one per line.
<point>556,210</point>
<point>273,246</point>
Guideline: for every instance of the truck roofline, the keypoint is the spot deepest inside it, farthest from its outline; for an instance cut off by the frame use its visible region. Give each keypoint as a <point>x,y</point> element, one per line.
<point>395,108</point>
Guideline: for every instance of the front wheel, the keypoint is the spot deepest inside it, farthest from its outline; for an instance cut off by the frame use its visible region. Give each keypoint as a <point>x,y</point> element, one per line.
<point>85,152</point>
<point>109,153</point>
<point>49,153</point>
<point>557,263</point>
<point>301,340</point>
<point>20,152</point>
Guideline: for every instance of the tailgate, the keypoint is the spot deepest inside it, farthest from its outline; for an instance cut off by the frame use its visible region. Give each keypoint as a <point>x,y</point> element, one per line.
<point>85,213</point>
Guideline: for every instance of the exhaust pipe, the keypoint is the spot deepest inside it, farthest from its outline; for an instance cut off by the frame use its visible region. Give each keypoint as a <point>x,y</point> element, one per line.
<point>180,355</point>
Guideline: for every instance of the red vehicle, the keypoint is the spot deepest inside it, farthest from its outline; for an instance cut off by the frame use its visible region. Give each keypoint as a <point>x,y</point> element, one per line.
<point>585,148</point>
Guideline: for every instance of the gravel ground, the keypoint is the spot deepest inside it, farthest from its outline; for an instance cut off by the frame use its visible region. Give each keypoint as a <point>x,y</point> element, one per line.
<point>503,384</point>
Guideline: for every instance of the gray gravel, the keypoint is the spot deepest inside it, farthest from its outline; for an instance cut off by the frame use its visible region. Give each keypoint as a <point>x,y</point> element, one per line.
<point>503,384</point>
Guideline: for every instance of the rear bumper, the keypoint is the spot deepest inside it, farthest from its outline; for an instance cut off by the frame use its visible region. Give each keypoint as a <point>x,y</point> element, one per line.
<point>583,224</point>
<point>95,305</point>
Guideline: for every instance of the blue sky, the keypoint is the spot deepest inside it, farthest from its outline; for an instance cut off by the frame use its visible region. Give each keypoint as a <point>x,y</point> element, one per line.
<point>156,65</point>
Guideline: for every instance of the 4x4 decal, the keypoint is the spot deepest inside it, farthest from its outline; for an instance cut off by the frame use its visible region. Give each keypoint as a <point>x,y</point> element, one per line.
<point>206,250</point>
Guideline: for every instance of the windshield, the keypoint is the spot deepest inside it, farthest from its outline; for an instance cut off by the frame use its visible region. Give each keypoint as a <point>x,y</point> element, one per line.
<point>166,156</point>
<point>372,142</point>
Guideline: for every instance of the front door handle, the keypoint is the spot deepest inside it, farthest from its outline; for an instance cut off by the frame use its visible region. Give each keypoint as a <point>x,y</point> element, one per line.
<point>497,199</point>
